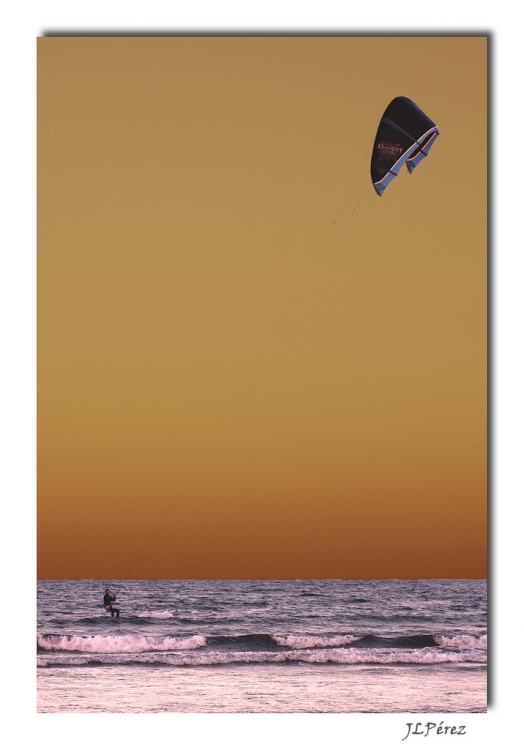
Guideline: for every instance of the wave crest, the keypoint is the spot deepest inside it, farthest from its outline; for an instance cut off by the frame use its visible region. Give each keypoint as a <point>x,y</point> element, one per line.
<point>329,656</point>
<point>463,641</point>
<point>109,644</point>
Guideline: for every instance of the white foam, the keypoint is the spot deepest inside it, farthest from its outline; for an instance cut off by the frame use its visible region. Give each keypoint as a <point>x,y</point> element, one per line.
<point>117,644</point>
<point>297,641</point>
<point>336,656</point>
<point>463,641</point>
<point>162,615</point>
<point>395,656</point>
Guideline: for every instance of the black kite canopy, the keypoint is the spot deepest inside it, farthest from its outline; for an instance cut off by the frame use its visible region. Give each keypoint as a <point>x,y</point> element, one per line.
<point>404,136</point>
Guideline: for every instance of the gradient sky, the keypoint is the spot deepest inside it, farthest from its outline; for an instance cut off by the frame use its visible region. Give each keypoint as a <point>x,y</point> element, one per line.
<point>277,395</point>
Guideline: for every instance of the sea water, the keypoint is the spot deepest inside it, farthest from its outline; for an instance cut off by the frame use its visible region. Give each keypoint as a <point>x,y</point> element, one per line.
<point>263,646</point>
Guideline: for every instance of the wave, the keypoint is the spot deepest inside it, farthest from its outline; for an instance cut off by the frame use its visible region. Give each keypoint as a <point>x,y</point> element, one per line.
<point>426,656</point>
<point>313,641</point>
<point>344,649</point>
<point>104,618</point>
<point>463,641</point>
<point>116,644</point>
<point>376,641</point>
<point>161,615</point>
<point>405,641</point>
<point>256,641</point>
<point>310,593</point>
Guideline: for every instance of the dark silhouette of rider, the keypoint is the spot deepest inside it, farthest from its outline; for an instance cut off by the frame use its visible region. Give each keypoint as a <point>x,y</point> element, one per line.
<point>108,604</point>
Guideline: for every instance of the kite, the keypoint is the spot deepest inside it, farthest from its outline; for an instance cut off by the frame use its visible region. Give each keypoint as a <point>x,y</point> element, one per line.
<point>404,136</point>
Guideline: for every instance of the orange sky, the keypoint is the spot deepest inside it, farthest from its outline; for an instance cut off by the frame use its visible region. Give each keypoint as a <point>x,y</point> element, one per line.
<point>278,396</point>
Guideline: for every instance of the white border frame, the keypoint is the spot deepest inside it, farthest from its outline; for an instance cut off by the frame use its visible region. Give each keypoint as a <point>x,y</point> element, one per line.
<point>21,23</point>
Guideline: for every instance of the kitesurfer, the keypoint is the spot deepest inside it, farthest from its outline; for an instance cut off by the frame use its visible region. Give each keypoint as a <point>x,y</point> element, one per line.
<point>108,604</point>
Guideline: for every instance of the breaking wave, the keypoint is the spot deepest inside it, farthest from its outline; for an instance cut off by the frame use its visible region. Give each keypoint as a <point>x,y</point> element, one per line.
<point>259,648</point>
<point>463,641</point>
<point>328,656</point>
<point>107,644</point>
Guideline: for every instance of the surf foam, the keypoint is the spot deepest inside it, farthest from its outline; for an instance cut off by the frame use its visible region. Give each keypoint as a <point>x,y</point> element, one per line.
<point>332,656</point>
<point>117,644</point>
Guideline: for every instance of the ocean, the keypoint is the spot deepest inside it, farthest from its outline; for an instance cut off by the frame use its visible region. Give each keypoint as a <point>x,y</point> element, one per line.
<point>291,646</point>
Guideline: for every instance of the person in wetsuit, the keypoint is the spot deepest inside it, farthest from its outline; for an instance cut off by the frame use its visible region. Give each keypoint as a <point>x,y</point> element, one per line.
<point>108,604</point>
